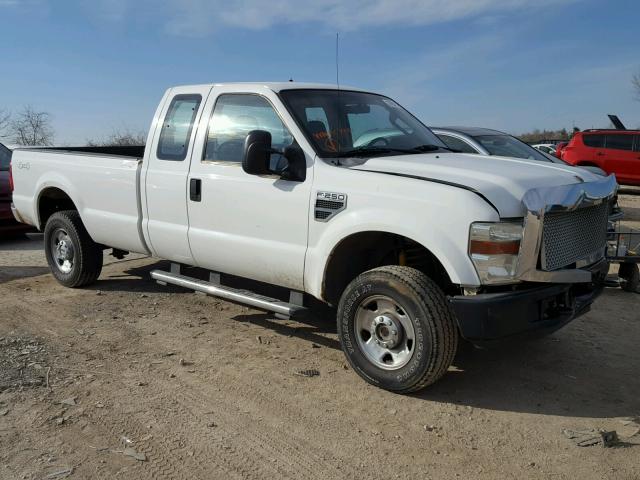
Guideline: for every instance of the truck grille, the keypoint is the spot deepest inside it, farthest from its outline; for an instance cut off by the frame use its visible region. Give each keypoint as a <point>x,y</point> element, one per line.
<point>571,236</point>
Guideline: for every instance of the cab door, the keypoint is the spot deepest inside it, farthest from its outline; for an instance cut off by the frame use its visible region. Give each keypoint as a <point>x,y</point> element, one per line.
<point>247,225</point>
<point>167,158</point>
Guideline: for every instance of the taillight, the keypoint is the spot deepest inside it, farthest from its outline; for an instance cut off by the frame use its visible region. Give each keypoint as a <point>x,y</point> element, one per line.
<point>10,178</point>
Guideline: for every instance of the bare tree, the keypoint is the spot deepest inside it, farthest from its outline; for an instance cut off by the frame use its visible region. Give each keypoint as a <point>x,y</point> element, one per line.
<point>538,135</point>
<point>31,127</point>
<point>5,118</point>
<point>121,138</point>
<point>635,81</point>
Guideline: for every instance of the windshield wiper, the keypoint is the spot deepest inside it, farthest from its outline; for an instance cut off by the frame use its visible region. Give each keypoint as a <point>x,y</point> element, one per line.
<point>366,151</point>
<point>433,148</point>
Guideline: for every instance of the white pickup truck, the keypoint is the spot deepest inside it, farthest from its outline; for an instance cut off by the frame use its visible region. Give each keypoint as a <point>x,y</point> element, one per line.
<point>339,194</point>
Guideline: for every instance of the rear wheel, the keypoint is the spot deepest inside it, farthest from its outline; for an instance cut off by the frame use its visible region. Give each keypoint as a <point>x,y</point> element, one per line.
<point>396,328</point>
<point>74,258</point>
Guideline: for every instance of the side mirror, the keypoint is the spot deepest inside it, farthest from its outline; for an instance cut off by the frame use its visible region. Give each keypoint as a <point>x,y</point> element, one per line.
<point>257,153</point>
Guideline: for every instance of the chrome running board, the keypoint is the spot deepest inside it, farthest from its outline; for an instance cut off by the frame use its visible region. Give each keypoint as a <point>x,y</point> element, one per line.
<point>245,297</point>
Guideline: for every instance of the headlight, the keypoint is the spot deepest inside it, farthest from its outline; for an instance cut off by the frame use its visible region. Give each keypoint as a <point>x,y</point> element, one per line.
<point>494,248</point>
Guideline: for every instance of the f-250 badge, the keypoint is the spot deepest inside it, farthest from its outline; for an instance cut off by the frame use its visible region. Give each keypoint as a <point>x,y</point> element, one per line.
<point>328,204</point>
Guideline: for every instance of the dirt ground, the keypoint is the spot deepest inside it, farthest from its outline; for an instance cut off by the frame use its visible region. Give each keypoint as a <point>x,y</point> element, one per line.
<point>129,379</point>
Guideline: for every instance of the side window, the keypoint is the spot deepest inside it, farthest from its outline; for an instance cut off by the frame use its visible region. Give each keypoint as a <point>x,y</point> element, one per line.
<point>457,144</point>
<point>594,141</point>
<point>620,142</point>
<point>234,116</point>
<point>177,127</point>
<point>637,137</point>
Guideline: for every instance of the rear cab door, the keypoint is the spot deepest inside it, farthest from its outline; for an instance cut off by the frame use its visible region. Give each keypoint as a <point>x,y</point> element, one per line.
<point>167,159</point>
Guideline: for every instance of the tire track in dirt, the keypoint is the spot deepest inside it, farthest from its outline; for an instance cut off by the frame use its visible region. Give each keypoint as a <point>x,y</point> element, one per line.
<point>166,451</point>
<point>219,448</point>
<point>249,449</point>
<point>281,459</point>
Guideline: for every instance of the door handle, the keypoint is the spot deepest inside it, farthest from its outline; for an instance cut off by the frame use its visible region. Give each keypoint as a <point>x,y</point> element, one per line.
<point>195,190</point>
<point>600,154</point>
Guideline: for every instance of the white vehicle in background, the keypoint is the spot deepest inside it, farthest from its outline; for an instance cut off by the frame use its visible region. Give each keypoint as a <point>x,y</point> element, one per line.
<point>312,189</point>
<point>486,141</point>
<point>549,148</point>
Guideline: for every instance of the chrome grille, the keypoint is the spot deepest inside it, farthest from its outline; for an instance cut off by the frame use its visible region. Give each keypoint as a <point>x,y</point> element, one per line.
<point>571,236</point>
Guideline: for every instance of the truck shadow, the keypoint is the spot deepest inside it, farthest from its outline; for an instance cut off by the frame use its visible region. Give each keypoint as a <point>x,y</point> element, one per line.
<point>9,273</point>
<point>313,327</point>
<point>557,375</point>
<point>566,374</point>
<point>21,242</point>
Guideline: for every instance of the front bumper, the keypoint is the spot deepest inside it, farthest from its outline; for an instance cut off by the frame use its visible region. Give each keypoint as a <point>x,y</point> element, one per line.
<point>489,317</point>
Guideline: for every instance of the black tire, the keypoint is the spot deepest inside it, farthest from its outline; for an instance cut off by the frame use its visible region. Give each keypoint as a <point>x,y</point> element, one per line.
<point>87,255</point>
<point>424,303</point>
<point>629,277</point>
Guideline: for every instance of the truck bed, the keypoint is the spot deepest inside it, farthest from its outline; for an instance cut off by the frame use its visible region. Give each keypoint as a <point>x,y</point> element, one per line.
<point>134,151</point>
<point>102,182</point>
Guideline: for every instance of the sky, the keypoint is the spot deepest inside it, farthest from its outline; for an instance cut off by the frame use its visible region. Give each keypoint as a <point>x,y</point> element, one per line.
<point>100,66</point>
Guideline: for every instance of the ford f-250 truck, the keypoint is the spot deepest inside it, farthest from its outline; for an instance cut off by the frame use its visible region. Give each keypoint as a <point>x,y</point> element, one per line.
<point>415,245</point>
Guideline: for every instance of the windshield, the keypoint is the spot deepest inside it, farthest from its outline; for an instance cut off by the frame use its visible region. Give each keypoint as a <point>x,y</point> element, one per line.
<point>342,123</point>
<point>508,146</point>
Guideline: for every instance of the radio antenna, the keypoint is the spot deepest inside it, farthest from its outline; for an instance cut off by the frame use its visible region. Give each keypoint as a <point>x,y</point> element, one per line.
<point>337,58</point>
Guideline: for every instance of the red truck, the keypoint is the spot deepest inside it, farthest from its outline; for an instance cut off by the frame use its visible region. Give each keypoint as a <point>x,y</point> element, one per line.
<point>614,151</point>
<point>8,224</point>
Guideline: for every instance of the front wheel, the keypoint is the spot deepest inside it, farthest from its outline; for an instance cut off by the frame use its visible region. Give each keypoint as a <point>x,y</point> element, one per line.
<point>396,328</point>
<point>74,258</point>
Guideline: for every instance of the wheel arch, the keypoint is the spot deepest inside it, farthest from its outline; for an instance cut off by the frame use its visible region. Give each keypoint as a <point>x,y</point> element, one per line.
<point>365,250</point>
<point>52,199</point>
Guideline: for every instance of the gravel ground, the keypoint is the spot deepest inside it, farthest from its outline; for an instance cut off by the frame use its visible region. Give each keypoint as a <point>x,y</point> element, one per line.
<point>129,379</point>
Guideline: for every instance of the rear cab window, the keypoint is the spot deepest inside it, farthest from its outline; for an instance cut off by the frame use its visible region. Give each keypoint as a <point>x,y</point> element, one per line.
<point>177,127</point>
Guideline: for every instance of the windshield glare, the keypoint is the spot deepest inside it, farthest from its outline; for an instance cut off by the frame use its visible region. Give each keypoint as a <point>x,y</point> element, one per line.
<point>508,146</point>
<point>338,121</point>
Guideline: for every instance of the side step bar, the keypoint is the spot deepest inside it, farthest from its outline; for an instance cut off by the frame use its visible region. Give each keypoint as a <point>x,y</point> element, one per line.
<point>235,295</point>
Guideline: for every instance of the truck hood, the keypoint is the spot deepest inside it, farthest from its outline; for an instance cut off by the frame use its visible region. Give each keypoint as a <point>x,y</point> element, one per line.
<point>502,181</point>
